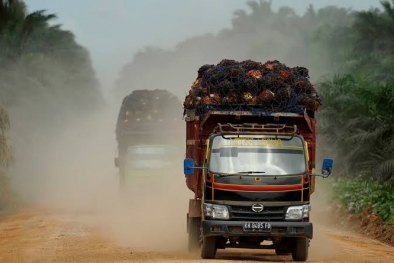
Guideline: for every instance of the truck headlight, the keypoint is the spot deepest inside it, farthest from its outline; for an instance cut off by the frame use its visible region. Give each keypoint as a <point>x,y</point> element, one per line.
<point>216,211</point>
<point>298,212</point>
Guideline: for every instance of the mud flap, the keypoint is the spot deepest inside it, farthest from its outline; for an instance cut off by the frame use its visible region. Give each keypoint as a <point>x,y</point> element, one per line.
<point>194,208</point>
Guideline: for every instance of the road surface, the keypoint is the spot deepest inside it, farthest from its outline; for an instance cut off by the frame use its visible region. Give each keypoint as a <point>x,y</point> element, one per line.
<point>42,236</point>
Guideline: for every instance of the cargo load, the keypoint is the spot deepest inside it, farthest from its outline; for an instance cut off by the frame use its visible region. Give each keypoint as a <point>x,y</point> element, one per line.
<point>147,108</point>
<point>252,86</point>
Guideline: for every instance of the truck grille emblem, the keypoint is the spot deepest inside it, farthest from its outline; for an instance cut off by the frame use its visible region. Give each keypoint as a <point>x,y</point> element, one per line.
<point>257,208</point>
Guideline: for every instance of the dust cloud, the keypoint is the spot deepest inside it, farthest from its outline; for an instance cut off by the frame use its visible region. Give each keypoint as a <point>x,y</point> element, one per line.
<point>322,246</point>
<point>77,175</point>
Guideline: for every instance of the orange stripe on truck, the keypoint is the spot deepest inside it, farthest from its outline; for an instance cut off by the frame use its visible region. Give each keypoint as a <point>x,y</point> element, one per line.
<point>257,188</point>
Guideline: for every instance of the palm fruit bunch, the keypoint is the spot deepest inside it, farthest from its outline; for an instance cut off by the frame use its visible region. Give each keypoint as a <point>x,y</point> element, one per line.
<point>148,106</point>
<point>246,85</point>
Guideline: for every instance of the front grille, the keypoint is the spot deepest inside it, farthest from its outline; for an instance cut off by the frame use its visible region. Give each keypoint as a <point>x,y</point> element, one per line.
<point>269,213</point>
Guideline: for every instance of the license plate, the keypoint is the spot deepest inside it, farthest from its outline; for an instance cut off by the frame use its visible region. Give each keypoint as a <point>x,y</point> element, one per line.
<point>257,226</point>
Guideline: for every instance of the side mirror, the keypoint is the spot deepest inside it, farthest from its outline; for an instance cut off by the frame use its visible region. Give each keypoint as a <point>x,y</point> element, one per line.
<point>188,166</point>
<point>116,162</point>
<point>327,167</point>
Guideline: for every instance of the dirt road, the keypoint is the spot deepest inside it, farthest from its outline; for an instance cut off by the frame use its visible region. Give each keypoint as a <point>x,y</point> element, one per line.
<point>41,236</point>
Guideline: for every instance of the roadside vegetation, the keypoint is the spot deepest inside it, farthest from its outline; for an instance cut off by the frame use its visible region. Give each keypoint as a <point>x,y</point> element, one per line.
<point>46,81</point>
<point>5,159</point>
<point>358,116</point>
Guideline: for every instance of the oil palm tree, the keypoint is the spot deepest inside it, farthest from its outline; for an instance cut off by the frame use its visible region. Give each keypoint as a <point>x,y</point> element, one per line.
<point>5,152</point>
<point>37,57</point>
<point>261,12</point>
<point>357,118</point>
<point>374,29</point>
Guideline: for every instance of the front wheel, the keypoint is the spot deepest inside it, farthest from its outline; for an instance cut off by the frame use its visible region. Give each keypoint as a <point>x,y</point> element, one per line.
<point>208,247</point>
<point>300,249</point>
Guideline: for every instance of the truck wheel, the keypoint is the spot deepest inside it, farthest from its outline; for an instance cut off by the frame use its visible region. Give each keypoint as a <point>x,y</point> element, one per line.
<point>208,247</point>
<point>300,249</point>
<point>281,252</point>
<point>194,233</point>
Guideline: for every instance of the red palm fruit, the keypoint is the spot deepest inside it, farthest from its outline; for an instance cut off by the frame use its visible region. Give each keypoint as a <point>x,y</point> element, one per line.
<point>303,87</point>
<point>265,96</point>
<point>188,103</point>
<point>253,101</point>
<point>283,75</point>
<point>196,83</point>
<point>255,74</point>
<point>247,97</point>
<point>215,98</point>
<point>310,104</point>
<point>269,66</point>
<point>233,98</point>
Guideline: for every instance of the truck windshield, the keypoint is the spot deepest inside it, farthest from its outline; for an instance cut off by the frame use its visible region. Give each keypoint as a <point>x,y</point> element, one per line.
<point>262,154</point>
<point>149,157</point>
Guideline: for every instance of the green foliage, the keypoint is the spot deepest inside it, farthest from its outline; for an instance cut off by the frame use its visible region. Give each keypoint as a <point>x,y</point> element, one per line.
<point>357,195</point>
<point>358,113</point>
<point>42,68</point>
<point>358,120</point>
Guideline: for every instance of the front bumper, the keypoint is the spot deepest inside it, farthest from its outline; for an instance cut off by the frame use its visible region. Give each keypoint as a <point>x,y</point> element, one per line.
<point>235,228</point>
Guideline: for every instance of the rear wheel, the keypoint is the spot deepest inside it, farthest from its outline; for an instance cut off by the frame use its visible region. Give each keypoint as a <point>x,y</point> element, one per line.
<point>194,233</point>
<point>300,249</point>
<point>208,247</point>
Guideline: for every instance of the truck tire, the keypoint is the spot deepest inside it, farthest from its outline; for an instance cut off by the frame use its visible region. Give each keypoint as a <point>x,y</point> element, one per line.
<point>300,249</point>
<point>194,234</point>
<point>208,247</point>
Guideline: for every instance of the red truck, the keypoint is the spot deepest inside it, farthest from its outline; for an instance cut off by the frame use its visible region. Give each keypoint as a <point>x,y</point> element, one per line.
<point>252,173</point>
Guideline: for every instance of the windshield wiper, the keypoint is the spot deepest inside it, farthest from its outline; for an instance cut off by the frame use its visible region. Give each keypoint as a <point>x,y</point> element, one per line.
<point>247,173</point>
<point>240,173</point>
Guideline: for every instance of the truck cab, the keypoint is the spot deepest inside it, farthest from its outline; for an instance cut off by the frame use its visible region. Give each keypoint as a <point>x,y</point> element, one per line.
<point>255,186</point>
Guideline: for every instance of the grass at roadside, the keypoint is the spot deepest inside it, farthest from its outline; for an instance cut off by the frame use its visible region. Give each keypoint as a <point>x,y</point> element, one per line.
<point>365,207</point>
<point>357,195</point>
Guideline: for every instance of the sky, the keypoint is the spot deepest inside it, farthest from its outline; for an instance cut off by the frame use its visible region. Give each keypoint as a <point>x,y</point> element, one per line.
<point>114,30</point>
